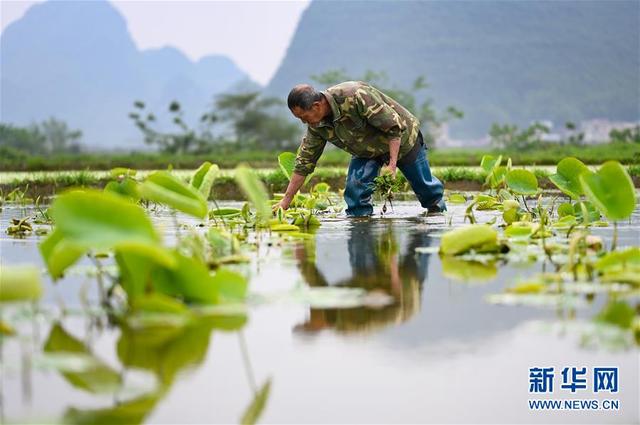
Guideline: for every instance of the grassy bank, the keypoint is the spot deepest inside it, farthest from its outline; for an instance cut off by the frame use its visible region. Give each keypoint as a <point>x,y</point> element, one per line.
<point>49,183</point>
<point>548,155</point>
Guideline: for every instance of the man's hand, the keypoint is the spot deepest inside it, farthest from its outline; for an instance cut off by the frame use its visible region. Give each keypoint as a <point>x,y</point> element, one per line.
<point>284,204</point>
<point>389,169</point>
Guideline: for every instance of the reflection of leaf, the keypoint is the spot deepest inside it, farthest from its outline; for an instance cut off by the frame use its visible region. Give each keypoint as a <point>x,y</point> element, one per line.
<point>253,412</point>
<point>165,351</point>
<point>190,280</point>
<point>127,413</point>
<point>95,376</point>
<point>18,283</point>
<point>231,286</point>
<point>136,262</point>
<point>467,271</point>
<point>617,313</point>
<point>611,190</point>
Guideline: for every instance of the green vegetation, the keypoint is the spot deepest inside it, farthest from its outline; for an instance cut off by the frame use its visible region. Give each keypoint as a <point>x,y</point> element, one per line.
<point>228,156</point>
<point>51,136</point>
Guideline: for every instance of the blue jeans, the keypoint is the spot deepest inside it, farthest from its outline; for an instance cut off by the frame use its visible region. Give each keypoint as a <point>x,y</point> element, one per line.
<point>362,171</point>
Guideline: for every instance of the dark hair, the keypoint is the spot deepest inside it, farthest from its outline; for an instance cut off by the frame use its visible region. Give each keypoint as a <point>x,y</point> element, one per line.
<point>303,96</point>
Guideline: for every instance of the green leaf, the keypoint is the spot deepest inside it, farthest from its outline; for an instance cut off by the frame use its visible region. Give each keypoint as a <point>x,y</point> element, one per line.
<point>190,280</point>
<point>19,283</point>
<point>284,227</point>
<point>321,187</point>
<point>254,191</point>
<point>159,303</point>
<point>565,209</point>
<point>122,171</point>
<point>59,253</point>
<point>466,238</point>
<point>204,177</point>
<point>253,412</point>
<point>127,187</point>
<point>165,188</point>
<point>611,190</point>
<point>567,176</point>
<point>522,182</point>
<point>225,212</point>
<point>457,198</point>
<point>136,263</point>
<point>99,220</point>
<point>488,162</point>
<point>287,162</point>
<point>231,286</point>
<point>520,229</point>
<point>619,260</point>
<point>95,376</point>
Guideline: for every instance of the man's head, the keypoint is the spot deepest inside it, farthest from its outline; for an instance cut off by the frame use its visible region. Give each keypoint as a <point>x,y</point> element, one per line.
<point>308,104</point>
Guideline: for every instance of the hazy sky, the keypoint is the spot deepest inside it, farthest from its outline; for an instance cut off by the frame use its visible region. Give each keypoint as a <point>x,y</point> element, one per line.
<point>255,34</point>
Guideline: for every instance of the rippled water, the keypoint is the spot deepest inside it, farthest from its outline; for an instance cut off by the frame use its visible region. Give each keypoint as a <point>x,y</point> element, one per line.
<point>439,353</point>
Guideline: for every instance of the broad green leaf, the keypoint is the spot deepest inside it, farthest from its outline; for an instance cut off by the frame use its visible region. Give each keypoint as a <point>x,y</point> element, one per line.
<point>520,229</point>
<point>284,227</point>
<point>204,177</point>
<point>100,220</point>
<point>254,191</point>
<point>527,288</point>
<point>619,260</point>
<point>225,212</point>
<point>123,413</point>
<point>189,280</point>
<point>567,176</point>
<point>488,162</point>
<point>253,412</point>
<point>611,190</point>
<point>522,182</point>
<point>510,215</point>
<point>586,209</point>
<point>127,187</point>
<point>287,162</point>
<point>231,286</point>
<point>457,198</point>
<point>321,187</point>
<point>565,209</point>
<point>19,283</point>
<point>467,271</point>
<point>165,188</point>
<point>465,238</point>
<point>136,263</point>
<point>122,171</point>
<point>59,253</point>
<point>95,376</point>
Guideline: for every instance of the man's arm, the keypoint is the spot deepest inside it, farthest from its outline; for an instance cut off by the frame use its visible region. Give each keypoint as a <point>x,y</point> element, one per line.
<point>394,149</point>
<point>296,182</point>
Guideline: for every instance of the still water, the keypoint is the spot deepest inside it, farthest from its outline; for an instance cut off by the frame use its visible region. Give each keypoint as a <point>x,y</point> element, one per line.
<point>439,353</point>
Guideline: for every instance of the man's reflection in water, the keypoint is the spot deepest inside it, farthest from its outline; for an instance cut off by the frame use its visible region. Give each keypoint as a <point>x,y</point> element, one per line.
<point>381,261</point>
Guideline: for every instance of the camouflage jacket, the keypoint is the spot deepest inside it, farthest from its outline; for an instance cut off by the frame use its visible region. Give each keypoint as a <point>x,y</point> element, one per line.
<point>364,120</point>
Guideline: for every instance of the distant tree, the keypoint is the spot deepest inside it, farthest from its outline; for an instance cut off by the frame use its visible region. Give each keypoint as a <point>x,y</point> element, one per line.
<point>257,121</point>
<point>59,137</point>
<point>510,137</point>
<point>180,142</point>
<point>627,135</point>
<point>574,137</point>
<point>432,122</point>
<point>50,136</point>
<point>254,120</point>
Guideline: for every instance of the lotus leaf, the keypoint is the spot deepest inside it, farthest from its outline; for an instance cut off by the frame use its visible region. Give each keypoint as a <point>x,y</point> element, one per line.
<point>611,190</point>
<point>522,182</point>
<point>203,178</point>
<point>466,238</point>
<point>254,190</point>
<point>567,176</point>
<point>565,209</point>
<point>287,162</point>
<point>19,283</point>
<point>167,189</point>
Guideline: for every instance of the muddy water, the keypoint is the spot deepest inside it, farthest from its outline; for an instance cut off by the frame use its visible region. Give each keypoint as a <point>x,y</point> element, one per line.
<point>439,353</point>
